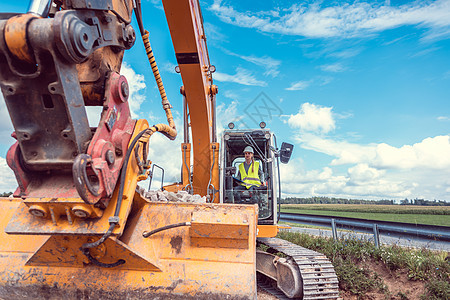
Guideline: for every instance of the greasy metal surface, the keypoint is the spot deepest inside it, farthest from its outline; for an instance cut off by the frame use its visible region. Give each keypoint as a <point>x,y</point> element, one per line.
<point>187,271</point>
<point>15,37</point>
<point>93,72</point>
<point>54,127</point>
<point>318,276</point>
<point>64,251</point>
<point>265,264</point>
<point>111,137</point>
<point>22,222</point>
<point>283,271</point>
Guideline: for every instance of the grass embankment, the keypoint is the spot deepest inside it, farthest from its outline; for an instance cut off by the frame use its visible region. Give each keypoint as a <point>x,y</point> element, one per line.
<point>354,262</point>
<point>429,215</point>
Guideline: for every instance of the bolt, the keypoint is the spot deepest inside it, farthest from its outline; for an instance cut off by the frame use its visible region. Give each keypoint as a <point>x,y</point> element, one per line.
<point>110,157</point>
<point>124,89</point>
<point>37,213</point>
<point>80,213</point>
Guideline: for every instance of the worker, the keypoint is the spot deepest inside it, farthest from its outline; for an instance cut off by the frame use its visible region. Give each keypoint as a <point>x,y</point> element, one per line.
<point>249,173</point>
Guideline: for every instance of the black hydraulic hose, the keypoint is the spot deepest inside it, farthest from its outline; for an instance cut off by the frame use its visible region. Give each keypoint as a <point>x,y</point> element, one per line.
<point>123,173</point>
<point>113,221</point>
<point>100,264</point>
<point>277,154</point>
<point>146,234</point>
<point>279,189</point>
<point>138,13</point>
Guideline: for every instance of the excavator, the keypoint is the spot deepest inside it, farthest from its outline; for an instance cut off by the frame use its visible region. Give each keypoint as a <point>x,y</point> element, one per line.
<point>78,226</point>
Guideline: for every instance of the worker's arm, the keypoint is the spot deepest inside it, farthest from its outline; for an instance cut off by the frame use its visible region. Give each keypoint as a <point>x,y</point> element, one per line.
<point>261,174</point>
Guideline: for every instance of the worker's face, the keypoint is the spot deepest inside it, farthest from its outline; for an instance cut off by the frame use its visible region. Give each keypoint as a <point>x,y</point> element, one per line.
<point>248,156</point>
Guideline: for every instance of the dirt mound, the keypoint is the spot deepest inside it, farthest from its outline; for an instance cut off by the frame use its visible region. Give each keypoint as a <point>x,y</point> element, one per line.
<point>397,284</point>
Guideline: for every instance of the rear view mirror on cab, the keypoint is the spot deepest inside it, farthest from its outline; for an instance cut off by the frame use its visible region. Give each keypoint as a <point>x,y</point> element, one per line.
<point>286,152</point>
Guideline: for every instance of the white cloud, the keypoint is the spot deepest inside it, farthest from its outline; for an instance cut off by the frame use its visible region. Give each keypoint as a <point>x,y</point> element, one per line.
<point>334,68</point>
<point>313,118</point>
<point>362,173</point>
<point>169,67</point>
<point>363,182</point>
<point>431,153</point>
<point>213,32</point>
<point>268,63</point>
<point>136,83</point>
<point>443,118</point>
<point>373,171</point>
<point>6,127</point>
<point>345,152</point>
<point>242,76</point>
<point>360,182</point>
<point>382,171</point>
<point>231,95</point>
<point>304,84</point>
<point>347,53</point>
<point>8,181</point>
<point>157,4</point>
<point>357,19</point>
<point>299,85</point>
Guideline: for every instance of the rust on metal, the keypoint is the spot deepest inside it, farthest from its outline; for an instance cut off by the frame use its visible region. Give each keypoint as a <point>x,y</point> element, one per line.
<point>16,37</point>
<point>93,73</point>
<point>55,268</point>
<point>64,251</point>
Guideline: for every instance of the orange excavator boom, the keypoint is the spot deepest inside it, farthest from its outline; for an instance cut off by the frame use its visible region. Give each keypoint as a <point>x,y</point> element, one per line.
<point>186,28</point>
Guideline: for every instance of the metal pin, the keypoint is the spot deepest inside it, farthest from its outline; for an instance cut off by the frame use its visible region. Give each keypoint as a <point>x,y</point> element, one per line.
<point>52,214</point>
<point>69,216</point>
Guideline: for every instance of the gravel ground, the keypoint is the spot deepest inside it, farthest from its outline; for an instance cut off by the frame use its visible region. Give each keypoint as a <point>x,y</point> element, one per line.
<point>263,295</point>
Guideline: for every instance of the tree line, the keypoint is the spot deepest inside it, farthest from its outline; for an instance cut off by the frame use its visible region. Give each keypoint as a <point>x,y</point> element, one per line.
<point>332,200</point>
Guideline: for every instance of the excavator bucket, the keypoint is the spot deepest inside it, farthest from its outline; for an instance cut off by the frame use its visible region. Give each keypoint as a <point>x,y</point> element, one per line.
<point>212,256</point>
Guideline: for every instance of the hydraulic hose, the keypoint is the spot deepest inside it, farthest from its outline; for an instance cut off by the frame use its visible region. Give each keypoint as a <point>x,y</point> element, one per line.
<point>168,130</point>
<point>113,221</point>
<point>146,234</point>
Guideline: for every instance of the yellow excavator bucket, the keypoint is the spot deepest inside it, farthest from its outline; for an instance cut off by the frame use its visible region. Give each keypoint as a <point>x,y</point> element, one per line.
<point>212,257</point>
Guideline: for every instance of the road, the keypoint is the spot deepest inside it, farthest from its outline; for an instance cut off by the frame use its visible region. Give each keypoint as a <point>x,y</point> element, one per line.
<point>387,240</point>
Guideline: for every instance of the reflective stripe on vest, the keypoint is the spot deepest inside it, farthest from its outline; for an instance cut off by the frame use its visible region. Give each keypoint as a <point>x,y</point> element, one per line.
<point>251,178</point>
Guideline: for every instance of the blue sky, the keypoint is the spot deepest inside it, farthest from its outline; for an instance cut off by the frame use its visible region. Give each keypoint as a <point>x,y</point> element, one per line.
<point>362,89</point>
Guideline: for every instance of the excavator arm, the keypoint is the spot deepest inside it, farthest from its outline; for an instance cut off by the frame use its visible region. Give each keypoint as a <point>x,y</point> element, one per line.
<point>186,28</point>
<point>78,226</point>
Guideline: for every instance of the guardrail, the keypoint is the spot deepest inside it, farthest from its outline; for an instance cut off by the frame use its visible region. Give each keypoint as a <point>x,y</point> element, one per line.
<point>393,229</point>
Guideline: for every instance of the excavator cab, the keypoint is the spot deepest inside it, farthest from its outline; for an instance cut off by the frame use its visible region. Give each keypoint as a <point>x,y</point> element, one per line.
<point>264,144</point>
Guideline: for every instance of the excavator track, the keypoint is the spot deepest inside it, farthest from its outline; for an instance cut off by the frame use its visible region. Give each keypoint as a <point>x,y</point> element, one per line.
<point>318,279</point>
<point>268,285</point>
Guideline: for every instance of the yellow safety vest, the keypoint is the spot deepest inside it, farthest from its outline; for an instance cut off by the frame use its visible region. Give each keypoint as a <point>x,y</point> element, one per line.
<point>251,178</point>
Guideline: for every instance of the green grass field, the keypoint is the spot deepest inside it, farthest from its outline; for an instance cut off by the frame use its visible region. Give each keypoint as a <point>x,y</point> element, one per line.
<point>430,215</point>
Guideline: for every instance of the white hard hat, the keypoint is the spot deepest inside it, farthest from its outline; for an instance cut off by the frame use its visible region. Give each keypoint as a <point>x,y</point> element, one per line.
<point>248,149</point>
